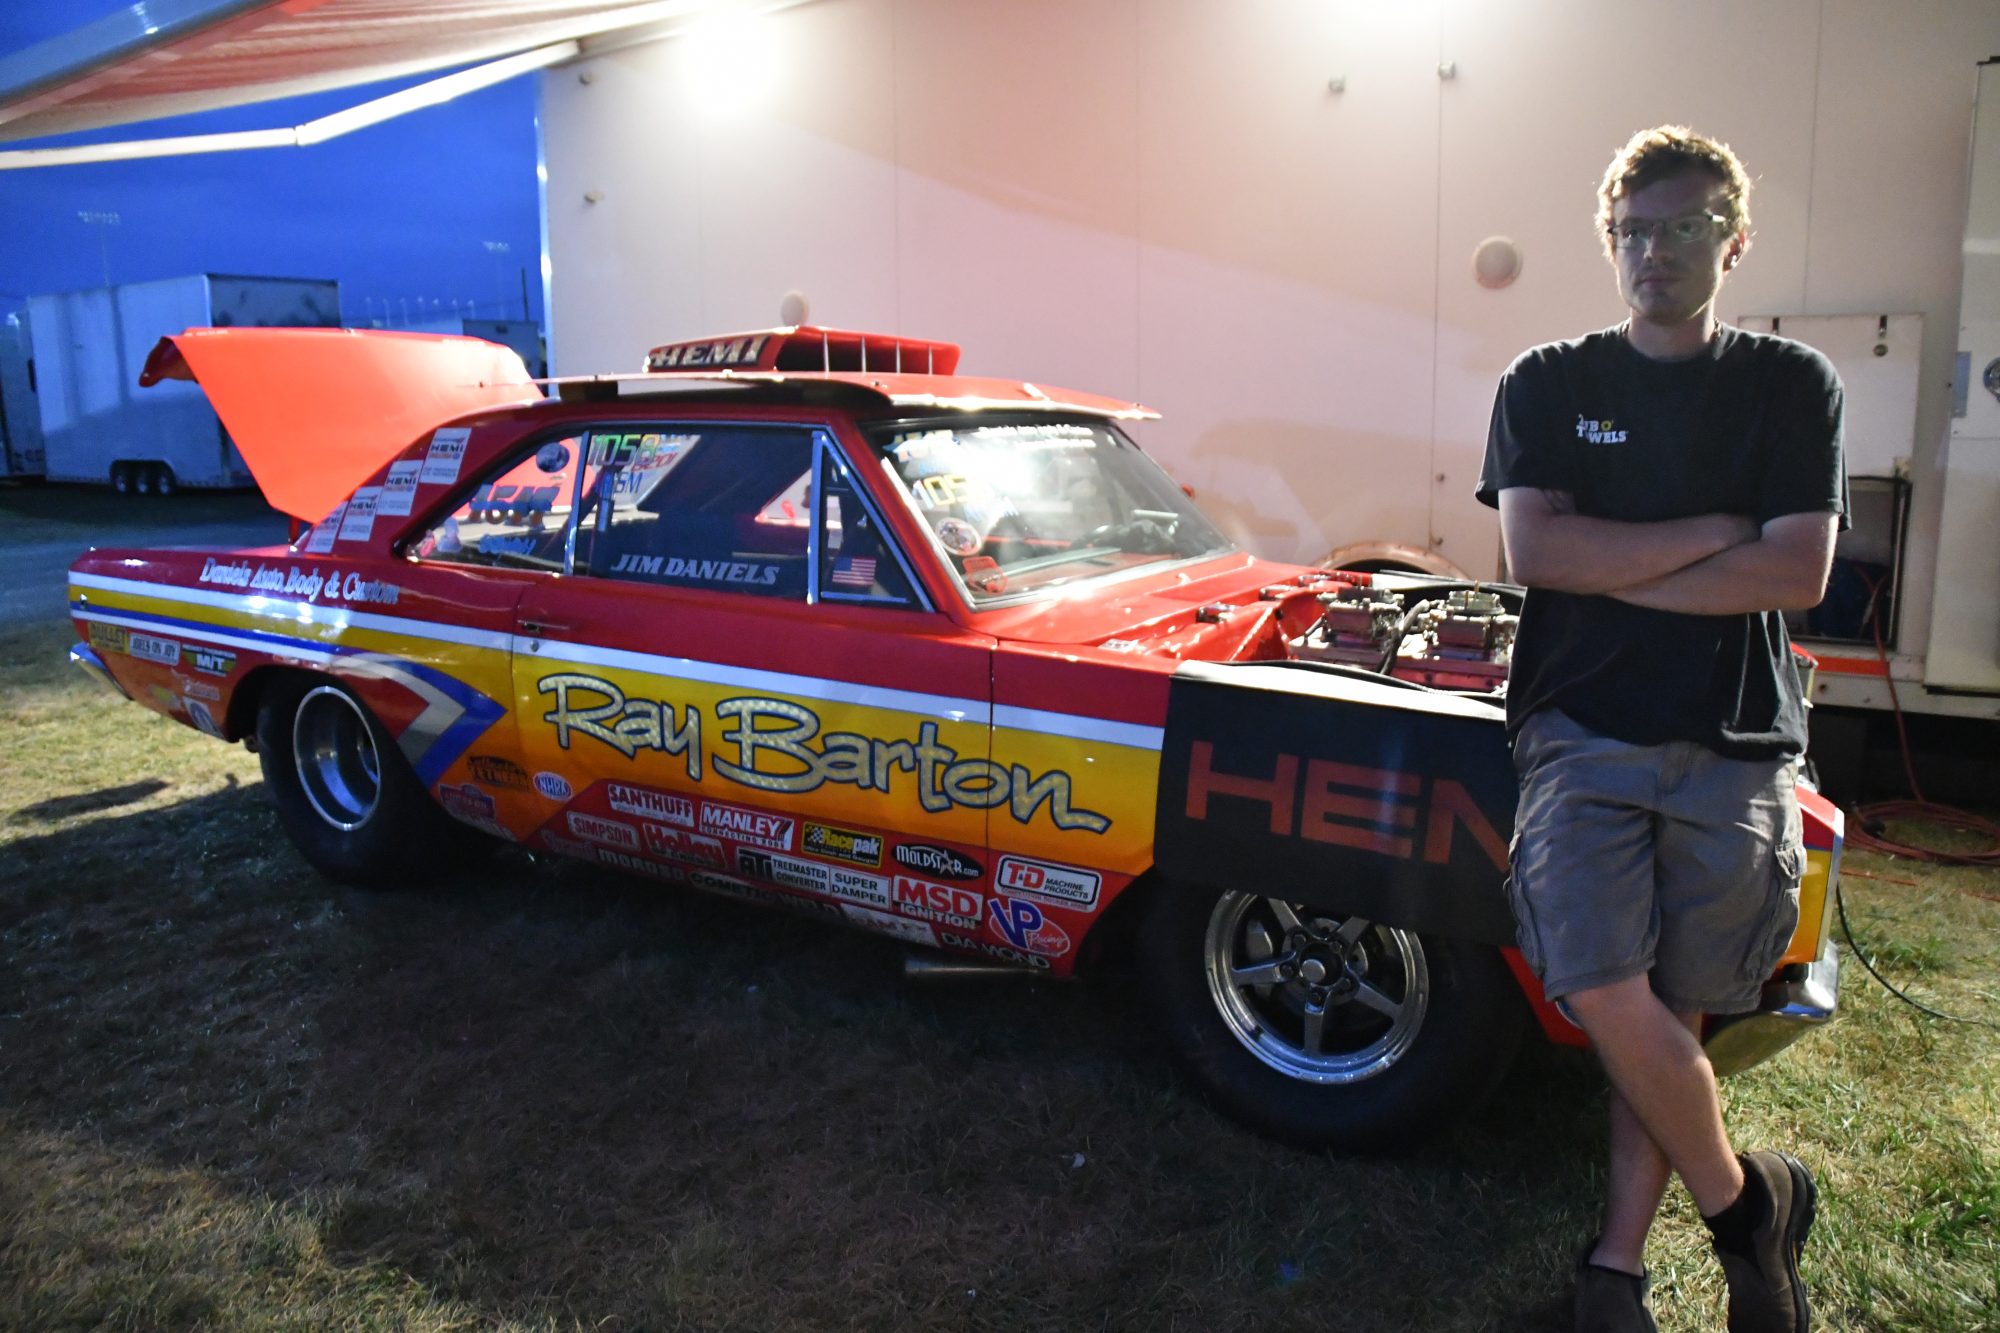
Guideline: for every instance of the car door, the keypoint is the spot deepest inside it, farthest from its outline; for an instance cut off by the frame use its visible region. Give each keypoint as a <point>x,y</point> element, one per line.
<point>741,685</point>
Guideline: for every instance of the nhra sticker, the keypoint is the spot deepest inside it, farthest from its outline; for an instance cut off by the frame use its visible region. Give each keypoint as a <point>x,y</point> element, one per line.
<point>938,862</point>
<point>495,771</point>
<point>399,488</point>
<point>902,928</point>
<point>553,785</point>
<point>608,832</point>
<point>321,542</point>
<point>210,661</point>
<point>167,652</point>
<point>1051,883</point>
<point>447,451</point>
<point>649,804</point>
<point>945,904</point>
<point>358,523</point>
<point>751,826</point>
<point>672,844</point>
<point>1022,926</point>
<point>839,844</point>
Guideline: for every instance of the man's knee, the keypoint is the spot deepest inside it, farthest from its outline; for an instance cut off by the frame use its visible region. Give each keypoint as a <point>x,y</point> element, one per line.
<point>1597,1006</point>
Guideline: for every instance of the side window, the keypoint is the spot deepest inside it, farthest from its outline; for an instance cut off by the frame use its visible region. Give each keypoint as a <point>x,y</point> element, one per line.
<point>719,507</point>
<point>857,560</point>
<point>517,514</point>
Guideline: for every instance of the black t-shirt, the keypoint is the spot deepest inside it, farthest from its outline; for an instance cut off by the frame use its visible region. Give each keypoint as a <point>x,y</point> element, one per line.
<point>1750,426</point>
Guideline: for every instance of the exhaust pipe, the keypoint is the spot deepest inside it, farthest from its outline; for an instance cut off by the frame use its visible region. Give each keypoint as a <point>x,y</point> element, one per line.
<point>927,966</point>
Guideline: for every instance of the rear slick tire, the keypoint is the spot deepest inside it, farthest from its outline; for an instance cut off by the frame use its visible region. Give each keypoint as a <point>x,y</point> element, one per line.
<point>344,792</point>
<point>1323,1030</point>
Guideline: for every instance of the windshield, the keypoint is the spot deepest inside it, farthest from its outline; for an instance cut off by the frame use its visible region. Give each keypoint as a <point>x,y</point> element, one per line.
<point>1018,508</point>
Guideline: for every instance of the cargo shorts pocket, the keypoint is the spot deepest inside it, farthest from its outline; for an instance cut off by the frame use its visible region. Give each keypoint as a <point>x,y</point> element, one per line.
<point>1525,934</point>
<point>1788,868</point>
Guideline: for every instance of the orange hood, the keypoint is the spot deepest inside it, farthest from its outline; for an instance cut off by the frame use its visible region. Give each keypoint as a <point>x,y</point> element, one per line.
<point>316,412</point>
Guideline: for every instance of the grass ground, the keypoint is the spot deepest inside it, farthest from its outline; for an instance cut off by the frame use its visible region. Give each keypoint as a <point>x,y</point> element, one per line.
<point>233,1096</point>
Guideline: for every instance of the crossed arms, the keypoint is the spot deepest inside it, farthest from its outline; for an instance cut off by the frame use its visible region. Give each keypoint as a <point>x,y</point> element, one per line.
<point>1711,564</point>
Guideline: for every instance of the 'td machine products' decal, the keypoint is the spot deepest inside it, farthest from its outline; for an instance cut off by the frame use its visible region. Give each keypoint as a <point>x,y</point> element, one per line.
<point>1390,803</point>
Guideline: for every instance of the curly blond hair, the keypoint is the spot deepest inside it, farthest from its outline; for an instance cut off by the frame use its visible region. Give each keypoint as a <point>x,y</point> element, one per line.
<point>1667,150</point>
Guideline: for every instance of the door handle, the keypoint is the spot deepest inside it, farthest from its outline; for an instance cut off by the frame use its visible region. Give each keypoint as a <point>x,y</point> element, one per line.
<point>541,629</point>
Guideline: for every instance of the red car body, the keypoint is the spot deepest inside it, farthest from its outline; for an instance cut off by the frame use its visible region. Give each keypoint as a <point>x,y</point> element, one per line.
<point>986,737</point>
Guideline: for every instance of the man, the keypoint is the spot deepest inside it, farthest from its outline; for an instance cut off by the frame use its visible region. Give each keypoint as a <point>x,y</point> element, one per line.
<point>1666,488</point>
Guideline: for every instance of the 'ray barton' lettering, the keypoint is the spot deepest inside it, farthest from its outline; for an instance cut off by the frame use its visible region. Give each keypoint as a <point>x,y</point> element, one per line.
<point>792,756</point>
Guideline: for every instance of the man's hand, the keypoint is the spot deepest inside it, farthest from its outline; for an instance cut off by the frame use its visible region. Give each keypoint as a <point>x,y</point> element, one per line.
<point>1783,570</point>
<point>1549,545</point>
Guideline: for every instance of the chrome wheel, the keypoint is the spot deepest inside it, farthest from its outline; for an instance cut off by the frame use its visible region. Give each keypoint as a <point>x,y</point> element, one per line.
<point>1315,997</point>
<point>333,748</point>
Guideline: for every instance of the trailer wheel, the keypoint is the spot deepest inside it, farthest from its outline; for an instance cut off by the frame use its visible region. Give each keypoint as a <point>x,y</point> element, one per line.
<point>345,794</point>
<point>1322,1030</point>
<point>163,479</point>
<point>121,478</point>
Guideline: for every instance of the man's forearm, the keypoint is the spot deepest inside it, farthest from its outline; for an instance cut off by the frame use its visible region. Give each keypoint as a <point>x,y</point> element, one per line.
<point>1568,552</point>
<point>1764,575</point>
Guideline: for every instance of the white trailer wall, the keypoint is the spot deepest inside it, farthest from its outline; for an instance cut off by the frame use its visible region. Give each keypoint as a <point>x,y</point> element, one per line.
<point>1163,199</point>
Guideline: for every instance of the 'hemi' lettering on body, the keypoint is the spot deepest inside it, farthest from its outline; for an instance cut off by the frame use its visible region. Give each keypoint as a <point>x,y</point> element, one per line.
<point>1373,809</point>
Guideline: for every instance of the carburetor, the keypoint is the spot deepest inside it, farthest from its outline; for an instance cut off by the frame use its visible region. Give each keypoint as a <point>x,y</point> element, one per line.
<point>1358,626</point>
<point>1464,642</point>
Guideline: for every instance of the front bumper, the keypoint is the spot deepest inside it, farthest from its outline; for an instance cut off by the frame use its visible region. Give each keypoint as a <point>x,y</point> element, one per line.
<point>1791,1006</point>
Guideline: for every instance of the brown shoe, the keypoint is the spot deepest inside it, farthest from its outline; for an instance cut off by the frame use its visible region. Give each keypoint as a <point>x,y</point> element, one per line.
<point>1766,1294</point>
<point>1611,1301</point>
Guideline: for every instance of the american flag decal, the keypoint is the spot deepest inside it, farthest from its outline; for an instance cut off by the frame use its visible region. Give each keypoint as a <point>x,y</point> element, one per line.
<point>854,571</point>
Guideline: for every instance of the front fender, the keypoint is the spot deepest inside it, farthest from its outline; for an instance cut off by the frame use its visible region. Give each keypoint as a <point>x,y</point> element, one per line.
<point>1355,793</point>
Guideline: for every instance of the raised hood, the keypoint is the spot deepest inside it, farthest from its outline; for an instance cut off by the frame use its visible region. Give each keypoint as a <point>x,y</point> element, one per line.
<point>316,412</point>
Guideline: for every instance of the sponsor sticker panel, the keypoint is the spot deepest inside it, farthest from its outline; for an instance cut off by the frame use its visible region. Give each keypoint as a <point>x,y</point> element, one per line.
<point>444,456</point>
<point>673,844</point>
<point>494,770</point>
<point>935,862</point>
<point>758,828</point>
<point>665,806</point>
<point>607,832</point>
<point>952,905</point>
<point>1071,886</point>
<point>896,927</point>
<point>840,844</point>
<point>152,648</point>
<point>1023,925</point>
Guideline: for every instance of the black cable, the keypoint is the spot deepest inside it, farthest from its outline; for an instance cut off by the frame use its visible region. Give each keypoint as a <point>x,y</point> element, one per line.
<point>1840,904</point>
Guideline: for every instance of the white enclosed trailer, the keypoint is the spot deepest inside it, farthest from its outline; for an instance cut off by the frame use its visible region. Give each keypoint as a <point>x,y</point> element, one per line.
<point>20,419</point>
<point>99,426</point>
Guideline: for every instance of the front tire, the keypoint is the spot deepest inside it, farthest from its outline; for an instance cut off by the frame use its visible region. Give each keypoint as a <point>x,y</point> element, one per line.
<point>1322,1030</point>
<point>344,793</point>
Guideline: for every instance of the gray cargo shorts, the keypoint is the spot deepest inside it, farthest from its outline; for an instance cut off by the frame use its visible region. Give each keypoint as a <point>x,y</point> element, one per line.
<point>1667,860</point>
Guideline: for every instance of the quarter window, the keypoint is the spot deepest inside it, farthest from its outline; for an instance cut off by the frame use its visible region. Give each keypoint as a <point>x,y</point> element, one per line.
<point>518,515</point>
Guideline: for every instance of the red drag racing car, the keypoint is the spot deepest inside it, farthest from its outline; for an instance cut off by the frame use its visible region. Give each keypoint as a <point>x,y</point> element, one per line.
<point>804,617</point>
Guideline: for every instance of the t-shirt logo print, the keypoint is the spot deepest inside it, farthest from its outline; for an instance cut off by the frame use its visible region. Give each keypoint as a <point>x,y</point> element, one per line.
<point>1599,432</point>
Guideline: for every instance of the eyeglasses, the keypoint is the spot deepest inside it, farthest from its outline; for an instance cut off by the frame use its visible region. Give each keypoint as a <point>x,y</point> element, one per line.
<point>1680,232</point>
